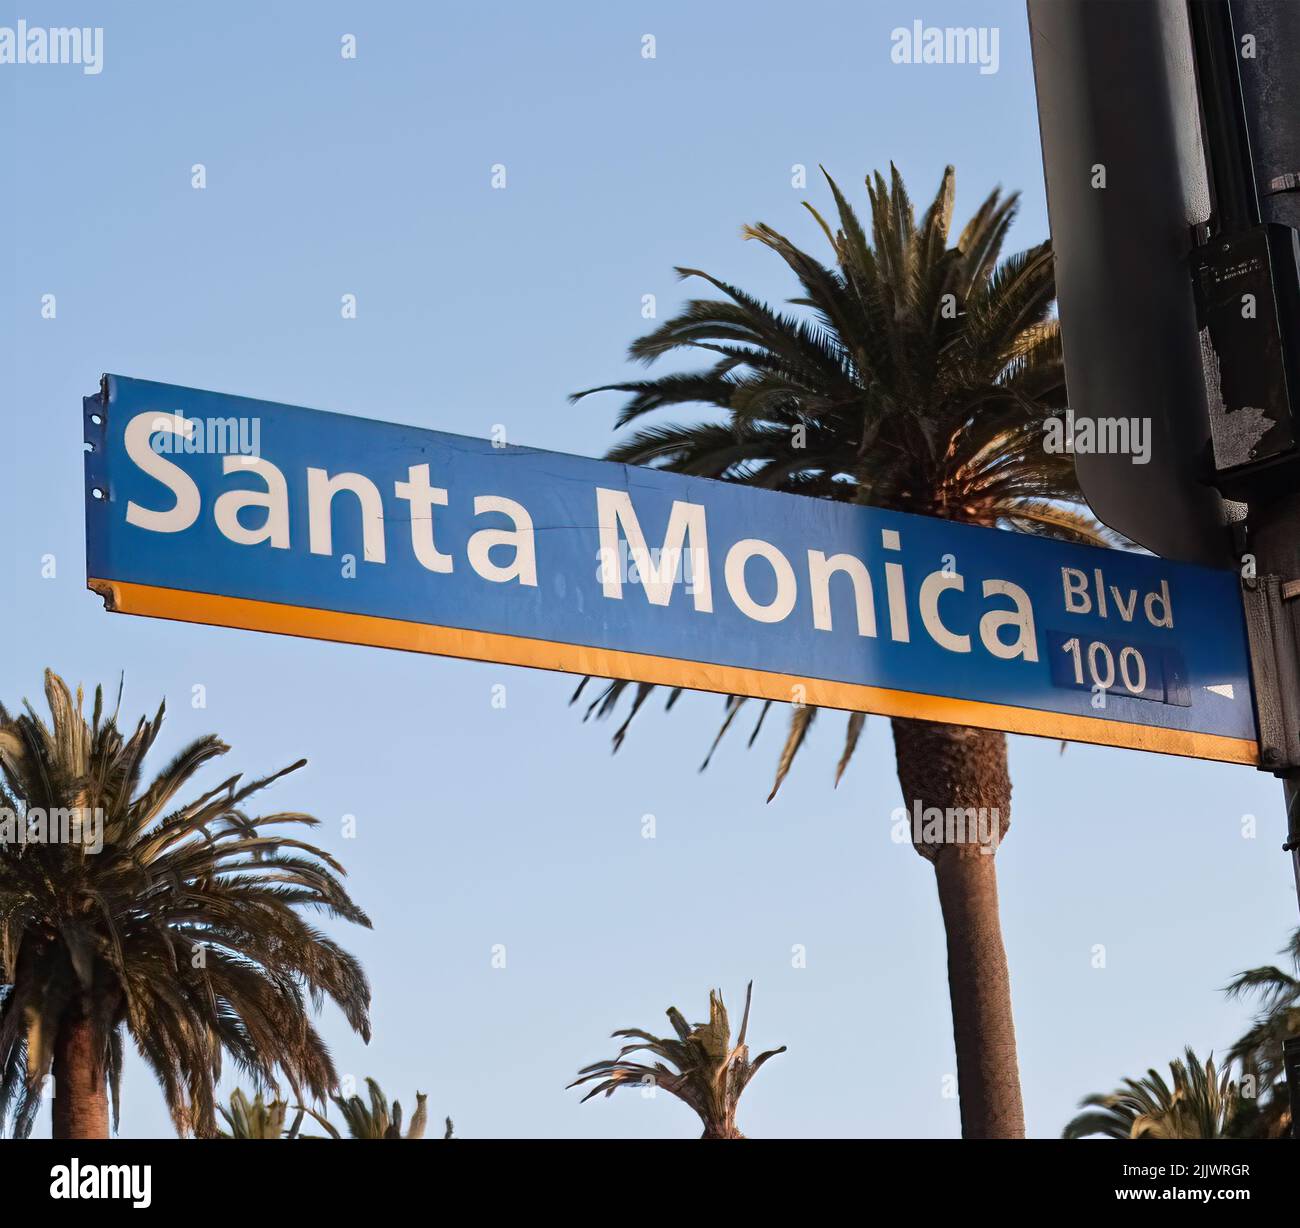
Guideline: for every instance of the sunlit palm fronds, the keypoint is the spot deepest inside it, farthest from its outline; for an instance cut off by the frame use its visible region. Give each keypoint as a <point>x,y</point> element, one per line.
<point>1259,1052</point>
<point>912,373</point>
<point>700,1065</point>
<point>255,1119</point>
<point>1201,1103</point>
<point>376,1119</point>
<point>187,930</point>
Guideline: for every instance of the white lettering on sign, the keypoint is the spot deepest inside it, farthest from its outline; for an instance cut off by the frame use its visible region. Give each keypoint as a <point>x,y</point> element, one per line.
<point>1086,594</point>
<point>760,581</point>
<point>274,501</point>
<point>686,523</point>
<point>186,509</point>
<point>786,590</point>
<point>820,570</point>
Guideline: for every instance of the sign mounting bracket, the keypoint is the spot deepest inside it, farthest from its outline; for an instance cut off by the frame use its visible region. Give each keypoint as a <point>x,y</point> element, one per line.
<point>1271,628</point>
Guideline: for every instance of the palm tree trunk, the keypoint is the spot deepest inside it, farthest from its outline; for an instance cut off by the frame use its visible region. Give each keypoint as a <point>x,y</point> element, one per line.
<point>958,796</point>
<point>80,1081</point>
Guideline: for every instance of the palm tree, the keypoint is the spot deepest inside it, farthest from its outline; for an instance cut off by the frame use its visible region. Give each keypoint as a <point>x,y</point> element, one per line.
<point>1201,1104</point>
<point>255,1119</point>
<point>1267,1111</point>
<point>919,377</point>
<point>185,929</point>
<point>375,1120</point>
<point>710,1072</point>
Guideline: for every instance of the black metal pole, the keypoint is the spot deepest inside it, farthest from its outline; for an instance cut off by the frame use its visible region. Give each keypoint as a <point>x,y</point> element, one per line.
<point>1246,55</point>
<point>1232,113</point>
<point>1223,116</point>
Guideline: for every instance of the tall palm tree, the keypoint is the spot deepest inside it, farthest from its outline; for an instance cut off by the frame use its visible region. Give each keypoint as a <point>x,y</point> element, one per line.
<point>916,376</point>
<point>1201,1104</point>
<point>1267,1111</point>
<point>185,930</point>
<point>710,1072</point>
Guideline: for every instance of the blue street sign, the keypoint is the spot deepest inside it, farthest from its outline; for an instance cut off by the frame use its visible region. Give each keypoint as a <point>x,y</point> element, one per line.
<point>224,510</point>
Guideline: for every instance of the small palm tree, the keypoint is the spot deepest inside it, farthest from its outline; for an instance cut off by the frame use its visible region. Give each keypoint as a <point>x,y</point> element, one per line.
<point>185,930</point>
<point>1201,1104</point>
<point>255,1119</point>
<point>376,1120</point>
<point>919,377</point>
<point>710,1072</point>
<point>1267,1111</point>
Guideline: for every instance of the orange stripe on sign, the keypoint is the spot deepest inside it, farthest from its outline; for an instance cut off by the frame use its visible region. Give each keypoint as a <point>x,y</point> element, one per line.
<point>153,602</point>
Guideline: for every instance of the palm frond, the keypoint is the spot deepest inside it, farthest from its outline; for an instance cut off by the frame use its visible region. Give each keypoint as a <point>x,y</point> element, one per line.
<point>920,376</point>
<point>701,1067</point>
<point>1200,1103</point>
<point>186,932</point>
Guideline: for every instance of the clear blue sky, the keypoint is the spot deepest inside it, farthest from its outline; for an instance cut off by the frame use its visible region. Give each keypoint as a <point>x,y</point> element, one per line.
<point>481,826</point>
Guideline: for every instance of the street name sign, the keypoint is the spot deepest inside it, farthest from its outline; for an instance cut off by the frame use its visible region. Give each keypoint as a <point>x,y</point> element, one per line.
<point>241,513</point>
